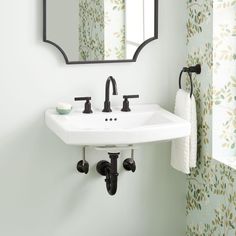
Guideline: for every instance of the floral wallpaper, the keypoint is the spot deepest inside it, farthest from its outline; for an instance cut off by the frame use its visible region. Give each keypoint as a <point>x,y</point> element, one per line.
<point>115,45</point>
<point>211,190</point>
<point>91,30</point>
<point>101,30</point>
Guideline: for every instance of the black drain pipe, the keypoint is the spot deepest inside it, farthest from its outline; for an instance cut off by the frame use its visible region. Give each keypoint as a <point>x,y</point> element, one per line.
<point>110,171</point>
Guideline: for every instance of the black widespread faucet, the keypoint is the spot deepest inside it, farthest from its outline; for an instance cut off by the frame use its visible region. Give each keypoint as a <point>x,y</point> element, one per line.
<point>107,103</point>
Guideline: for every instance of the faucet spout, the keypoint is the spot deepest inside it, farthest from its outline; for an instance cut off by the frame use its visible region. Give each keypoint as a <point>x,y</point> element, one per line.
<point>107,103</point>
<point>114,85</point>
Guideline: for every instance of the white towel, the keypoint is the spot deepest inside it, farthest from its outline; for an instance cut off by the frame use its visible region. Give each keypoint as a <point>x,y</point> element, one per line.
<point>184,150</point>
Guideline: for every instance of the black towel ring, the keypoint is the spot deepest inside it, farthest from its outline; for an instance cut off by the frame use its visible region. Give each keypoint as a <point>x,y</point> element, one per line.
<point>191,82</point>
<point>192,69</point>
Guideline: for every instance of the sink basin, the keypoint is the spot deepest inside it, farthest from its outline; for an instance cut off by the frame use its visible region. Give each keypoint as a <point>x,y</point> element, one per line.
<point>145,123</point>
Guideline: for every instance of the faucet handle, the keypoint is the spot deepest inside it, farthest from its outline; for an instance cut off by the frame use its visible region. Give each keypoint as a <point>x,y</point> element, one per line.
<point>130,96</point>
<point>87,105</point>
<point>126,102</point>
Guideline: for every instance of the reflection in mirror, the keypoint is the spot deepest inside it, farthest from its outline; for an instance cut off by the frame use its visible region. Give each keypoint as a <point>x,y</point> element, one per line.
<point>88,31</point>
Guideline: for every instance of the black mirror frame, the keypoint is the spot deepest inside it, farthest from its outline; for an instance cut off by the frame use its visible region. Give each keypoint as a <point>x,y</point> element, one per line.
<point>105,61</point>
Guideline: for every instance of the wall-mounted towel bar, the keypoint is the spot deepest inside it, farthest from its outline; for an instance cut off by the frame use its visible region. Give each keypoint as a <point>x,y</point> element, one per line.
<point>192,69</point>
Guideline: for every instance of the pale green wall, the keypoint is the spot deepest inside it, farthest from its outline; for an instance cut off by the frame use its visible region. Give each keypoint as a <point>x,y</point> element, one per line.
<point>62,27</point>
<point>41,192</point>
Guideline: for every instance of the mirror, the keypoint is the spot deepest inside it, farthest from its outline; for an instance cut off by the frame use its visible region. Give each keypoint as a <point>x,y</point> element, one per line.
<point>98,31</point>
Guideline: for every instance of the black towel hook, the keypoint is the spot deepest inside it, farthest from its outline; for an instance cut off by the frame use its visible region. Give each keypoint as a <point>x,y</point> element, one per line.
<point>192,69</point>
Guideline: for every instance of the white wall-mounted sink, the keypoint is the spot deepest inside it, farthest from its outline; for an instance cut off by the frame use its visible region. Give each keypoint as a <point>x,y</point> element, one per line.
<point>145,123</point>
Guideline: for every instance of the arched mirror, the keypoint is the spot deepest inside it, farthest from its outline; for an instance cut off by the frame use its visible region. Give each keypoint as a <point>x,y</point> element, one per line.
<point>99,31</point>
